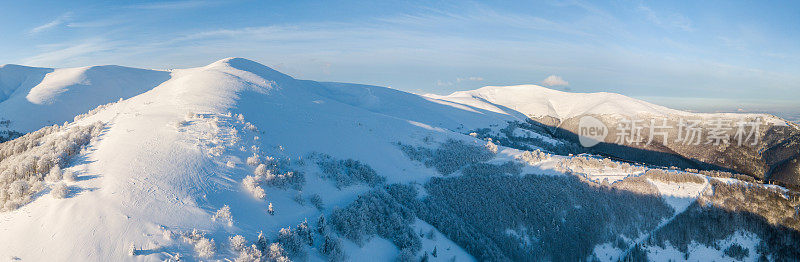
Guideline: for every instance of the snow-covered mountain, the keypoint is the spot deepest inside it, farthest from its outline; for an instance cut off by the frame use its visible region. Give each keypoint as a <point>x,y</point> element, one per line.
<point>31,97</point>
<point>537,101</point>
<point>769,153</point>
<point>236,160</point>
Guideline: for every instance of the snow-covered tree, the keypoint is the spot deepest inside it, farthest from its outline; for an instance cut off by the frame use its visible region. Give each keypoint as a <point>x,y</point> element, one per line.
<point>223,215</point>
<point>261,170</point>
<point>28,161</point>
<point>132,250</point>
<point>249,254</point>
<point>251,184</point>
<point>261,243</point>
<point>316,200</point>
<point>491,146</point>
<point>68,176</point>
<point>305,233</point>
<point>250,127</point>
<point>291,241</point>
<point>450,156</point>
<point>166,234</point>
<point>55,174</point>
<point>275,253</point>
<point>298,197</point>
<point>238,243</point>
<point>332,247</point>
<point>60,190</point>
<point>321,225</point>
<point>205,247</point>
<point>253,160</point>
<point>347,172</point>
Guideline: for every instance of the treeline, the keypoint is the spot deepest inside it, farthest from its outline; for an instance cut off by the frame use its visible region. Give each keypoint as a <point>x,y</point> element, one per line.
<point>770,203</point>
<point>507,137</point>
<point>495,214</point>
<point>449,156</point>
<point>376,213</point>
<point>737,207</point>
<point>724,174</point>
<point>586,165</point>
<point>582,164</point>
<point>479,169</point>
<point>673,176</point>
<point>272,172</point>
<point>290,243</point>
<point>26,161</point>
<point>346,172</point>
<point>709,225</point>
<point>8,135</point>
<point>563,217</point>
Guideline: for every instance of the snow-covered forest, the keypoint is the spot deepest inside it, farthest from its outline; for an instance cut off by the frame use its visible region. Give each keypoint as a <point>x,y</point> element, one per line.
<point>236,161</point>
<point>34,162</point>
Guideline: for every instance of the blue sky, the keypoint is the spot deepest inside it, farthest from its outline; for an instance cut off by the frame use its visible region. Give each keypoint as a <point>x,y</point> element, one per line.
<point>699,55</point>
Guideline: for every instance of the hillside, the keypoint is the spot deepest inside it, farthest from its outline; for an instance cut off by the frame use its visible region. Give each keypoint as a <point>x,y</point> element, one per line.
<point>31,98</point>
<point>762,150</point>
<point>235,160</point>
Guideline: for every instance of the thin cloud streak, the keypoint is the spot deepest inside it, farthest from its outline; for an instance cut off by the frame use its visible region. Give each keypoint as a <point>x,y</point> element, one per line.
<point>416,51</point>
<point>79,51</point>
<point>50,25</point>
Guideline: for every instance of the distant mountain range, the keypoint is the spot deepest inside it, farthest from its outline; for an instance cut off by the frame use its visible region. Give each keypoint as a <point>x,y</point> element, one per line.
<point>235,160</point>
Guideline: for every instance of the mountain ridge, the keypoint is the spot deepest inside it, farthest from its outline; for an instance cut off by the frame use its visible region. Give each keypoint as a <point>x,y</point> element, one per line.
<point>588,103</point>
<point>235,148</point>
<point>37,97</point>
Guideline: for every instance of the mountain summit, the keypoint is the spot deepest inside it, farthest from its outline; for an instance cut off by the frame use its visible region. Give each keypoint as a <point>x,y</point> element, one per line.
<point>235,160</point>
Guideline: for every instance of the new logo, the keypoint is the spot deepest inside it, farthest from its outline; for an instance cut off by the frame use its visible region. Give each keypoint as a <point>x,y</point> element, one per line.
<point>591,131</point>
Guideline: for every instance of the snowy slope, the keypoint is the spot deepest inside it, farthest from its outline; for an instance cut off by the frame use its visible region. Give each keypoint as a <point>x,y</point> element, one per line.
<point>538,101</point>
<point>35,97</point>
<point>152,167</point>
<point>170,158</point>
<point>775,139</point>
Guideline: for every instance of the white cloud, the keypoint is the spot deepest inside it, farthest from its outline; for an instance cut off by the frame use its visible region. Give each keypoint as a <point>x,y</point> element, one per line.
<point>471,78</point>
<point>64,54</point>
<point>49,25</point>
<point>554,80</point>
<point>480,15</point>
